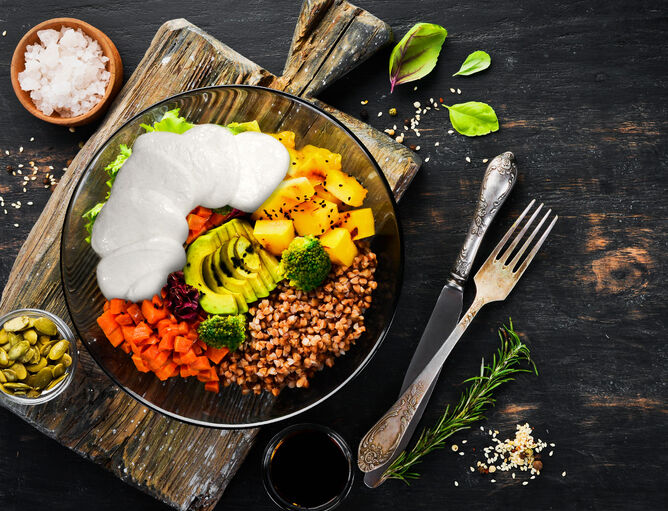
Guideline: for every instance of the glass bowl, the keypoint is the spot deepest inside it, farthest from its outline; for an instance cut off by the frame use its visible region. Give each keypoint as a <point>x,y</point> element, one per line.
<point>186,399</point>
<point>64,332</point>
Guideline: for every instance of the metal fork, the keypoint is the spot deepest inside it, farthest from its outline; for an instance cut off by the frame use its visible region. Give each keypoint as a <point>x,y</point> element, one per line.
<point>494,281</point>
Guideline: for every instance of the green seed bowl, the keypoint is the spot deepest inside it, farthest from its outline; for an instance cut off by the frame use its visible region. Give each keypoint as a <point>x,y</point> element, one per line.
<point>64,332</point>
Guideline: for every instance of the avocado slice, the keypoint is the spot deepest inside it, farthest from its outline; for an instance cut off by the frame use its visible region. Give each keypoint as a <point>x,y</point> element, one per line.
<point>210,300</point>
<point>225,277</point>
<point>228,257</point>
<point>212,280</point>
<point>269,268</point>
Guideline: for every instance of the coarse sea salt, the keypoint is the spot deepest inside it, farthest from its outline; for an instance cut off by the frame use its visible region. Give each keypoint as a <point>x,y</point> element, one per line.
<point>65,72</point>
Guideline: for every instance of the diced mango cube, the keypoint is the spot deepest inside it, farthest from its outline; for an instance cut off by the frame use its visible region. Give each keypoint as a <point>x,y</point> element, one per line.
<point>345,188</point>
<point>358,222</point>
<point>324,158</point>
<point>339,246</point>
<point>287,138</point>
<point>314,217</point>
<point>274,235</point>
<point>286,196</point>
<point>321,193</point>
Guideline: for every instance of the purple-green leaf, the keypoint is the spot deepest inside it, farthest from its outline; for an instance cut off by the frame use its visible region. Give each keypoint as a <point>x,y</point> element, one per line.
<point>416,54</point>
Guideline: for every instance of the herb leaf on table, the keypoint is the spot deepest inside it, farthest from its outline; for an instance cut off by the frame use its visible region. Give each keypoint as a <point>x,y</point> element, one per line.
<point>473,118</point>
<point>416,54</point>
<point>474,63</point>
<point>471,406</point>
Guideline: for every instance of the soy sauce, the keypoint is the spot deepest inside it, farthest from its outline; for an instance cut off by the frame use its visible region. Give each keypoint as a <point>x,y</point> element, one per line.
<point>308,468</point>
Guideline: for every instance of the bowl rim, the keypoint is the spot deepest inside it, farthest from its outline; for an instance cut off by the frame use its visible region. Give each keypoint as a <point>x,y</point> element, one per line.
<point>66,332</point>
<point>109,50</point>
<point>379,340</point>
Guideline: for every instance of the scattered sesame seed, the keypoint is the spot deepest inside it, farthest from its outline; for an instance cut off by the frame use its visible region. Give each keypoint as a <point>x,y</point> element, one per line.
<point>459,91</point>
<point>4,33</point>
<point>468,160</point>
<point>6,152</point>
<point>532,477</point>
<point>456,483</point>
<point>436,145</point>
<point>21,149</point>
<point>416,104</point>
<point>492,469</point>
<point>461,453</point>
<point>472,469</point>
<point>485,160</point>
<point>32,139</point>
<point>452,90</point>
<point>426,159</point>
<point>551,453</point>
<point>450,132</point>
<point>553,445</point>
<point>525,483</point>
<point>482,429</point>
<point>380,113</point>
<point>417,148</point>
<point>563,474</point>
<point>463,441</point>
<point>415,88</point>
<point>513,475</point>
<point>16,225</point>
<point>30,203</point>
<point>492,480</point>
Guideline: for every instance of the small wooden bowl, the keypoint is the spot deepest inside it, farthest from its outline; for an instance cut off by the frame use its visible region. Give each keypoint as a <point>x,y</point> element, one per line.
<point>114,66</point>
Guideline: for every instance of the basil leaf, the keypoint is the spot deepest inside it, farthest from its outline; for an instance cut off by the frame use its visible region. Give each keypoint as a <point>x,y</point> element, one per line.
<point>473,118</point>
<point>474,63</point>
<point>416,54</point>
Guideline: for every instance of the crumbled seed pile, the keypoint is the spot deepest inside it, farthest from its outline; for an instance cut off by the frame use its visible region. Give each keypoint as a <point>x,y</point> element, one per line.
<point>293,334</point>
<point>523,453</point>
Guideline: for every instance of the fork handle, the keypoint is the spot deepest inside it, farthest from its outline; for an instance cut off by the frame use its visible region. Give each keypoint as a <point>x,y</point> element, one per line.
<point>497,183</point>
<point>382,440</point>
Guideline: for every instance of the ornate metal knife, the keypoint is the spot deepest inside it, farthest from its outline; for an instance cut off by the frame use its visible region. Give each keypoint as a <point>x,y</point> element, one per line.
<point>497,183</point>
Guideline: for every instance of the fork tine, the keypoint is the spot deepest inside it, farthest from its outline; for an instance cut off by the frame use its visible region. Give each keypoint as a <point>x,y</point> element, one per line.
<point>526,244</point>
<point>527,261</point>
<point>510,232</point>
<point>509,251</point>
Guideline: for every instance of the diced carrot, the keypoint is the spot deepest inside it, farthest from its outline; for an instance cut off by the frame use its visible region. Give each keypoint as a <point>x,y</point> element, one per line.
<point>125,346</point>
<point>157,301</point>
<point>209,375</point>
<point>182,344</point>
<point>216,354</point>
<point>116,337</point>
<point>212,386</point>
<point>124,319</point>
<point>197,222</point>
<point>167,343</point>
<point>184,328</point>
<point>151,340</point>
<point>140,333</point>
<point>107,322</point>
<point>184,371</point>
<point>166,371</point>
<point>151,352</point>
<point>202,344</point>
<point>151,313</point>
<point>203,212</point>
<point>135,312</point>
<point>117,306</point>
<point>188,357</point>
<point>140,364</point>
<point>201,363</point>
<point>106,306</point>
<point>159,360</point>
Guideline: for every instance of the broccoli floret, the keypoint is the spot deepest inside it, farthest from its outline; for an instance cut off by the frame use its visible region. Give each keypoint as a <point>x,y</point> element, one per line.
<point>305,263</point>
<point>223,331</point>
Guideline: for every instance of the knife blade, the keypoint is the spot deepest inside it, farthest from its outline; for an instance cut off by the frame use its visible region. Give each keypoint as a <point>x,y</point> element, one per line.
<point>499,179</point>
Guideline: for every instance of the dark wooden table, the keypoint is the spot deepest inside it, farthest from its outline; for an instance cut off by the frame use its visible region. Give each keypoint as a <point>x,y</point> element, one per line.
<point>580,90</point>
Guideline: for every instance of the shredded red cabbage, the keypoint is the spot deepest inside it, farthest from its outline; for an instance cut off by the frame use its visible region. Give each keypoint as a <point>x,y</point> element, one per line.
<point>181,299</point>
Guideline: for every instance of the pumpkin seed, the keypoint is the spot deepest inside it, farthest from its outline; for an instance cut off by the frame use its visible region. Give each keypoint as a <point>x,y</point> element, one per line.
<point>43,339</point>
<point>14,338</point>
<point>35,368</point>
<point>3,379</point>
<point>44,350</point>
<point>30,336</point>
<point>27,356</point>
<point>45,326</point>
<point>9,374</point>
<point>41,379</point>
<point>66,359</point>
<point>4,359</point>
<point>58,349</point>
<point>18,350</point>
<point>3,336</point>
<point>58,371</point>
<point>20,370</point>
<point>17,386</point>
<point>55,382</point>
<point>6,346</point>
<point>17,324</point>
<point>33,393</point>
<point>36,357</point>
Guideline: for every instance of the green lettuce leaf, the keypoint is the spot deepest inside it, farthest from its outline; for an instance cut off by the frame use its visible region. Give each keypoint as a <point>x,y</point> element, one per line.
<point>171,122</point>
<point>240,127</point>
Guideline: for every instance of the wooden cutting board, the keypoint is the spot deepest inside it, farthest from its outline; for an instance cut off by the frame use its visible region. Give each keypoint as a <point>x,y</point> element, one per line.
<point>184,466</point>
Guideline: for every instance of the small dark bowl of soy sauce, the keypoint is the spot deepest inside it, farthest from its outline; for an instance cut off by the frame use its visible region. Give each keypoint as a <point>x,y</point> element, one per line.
<point>307,467</point>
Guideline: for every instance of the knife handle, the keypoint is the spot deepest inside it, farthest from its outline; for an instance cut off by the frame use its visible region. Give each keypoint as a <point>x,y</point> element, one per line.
<point>497,183</point>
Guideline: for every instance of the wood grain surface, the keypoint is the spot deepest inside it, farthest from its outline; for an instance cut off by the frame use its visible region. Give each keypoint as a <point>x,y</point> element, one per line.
<point>580,90</point>
<point>185,466</point>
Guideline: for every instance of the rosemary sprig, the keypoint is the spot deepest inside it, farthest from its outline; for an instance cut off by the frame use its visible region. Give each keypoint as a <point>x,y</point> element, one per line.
<point>471,406</point>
